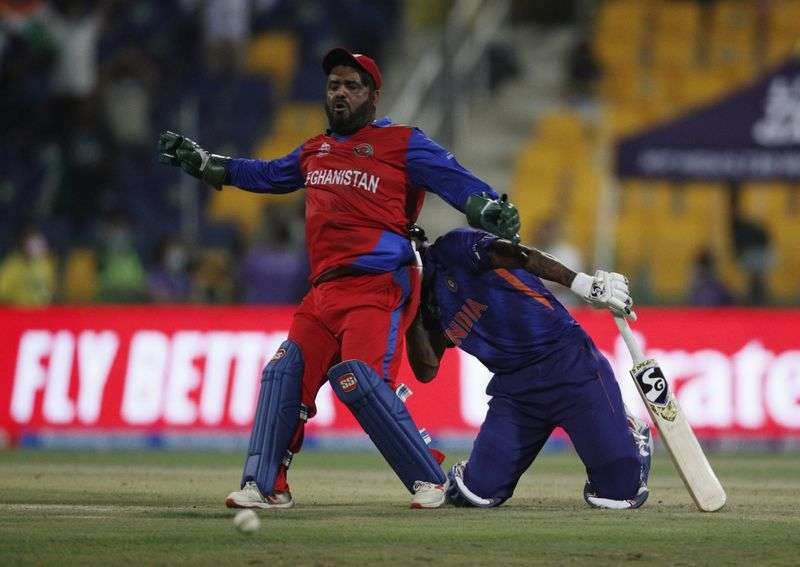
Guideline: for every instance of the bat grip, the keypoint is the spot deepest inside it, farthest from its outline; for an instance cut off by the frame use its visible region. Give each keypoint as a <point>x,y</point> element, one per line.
<point>630,341</point>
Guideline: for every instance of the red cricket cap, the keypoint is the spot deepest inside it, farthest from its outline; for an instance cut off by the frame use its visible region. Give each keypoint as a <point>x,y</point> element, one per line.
<point>341,56</point>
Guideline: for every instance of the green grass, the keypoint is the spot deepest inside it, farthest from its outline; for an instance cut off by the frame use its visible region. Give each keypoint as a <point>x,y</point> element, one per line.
<point>166,508</point>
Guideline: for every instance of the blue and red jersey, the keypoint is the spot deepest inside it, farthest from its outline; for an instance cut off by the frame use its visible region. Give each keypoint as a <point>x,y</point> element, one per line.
<point>505,318</point>
<point>363,191</point>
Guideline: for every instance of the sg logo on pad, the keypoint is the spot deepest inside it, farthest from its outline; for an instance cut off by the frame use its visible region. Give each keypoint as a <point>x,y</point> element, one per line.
<point>348,382</point>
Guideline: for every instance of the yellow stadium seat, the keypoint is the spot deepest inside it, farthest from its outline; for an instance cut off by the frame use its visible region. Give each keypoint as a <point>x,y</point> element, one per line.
<point>706,86</point>
<point>80,276</point>
<point>728,53</point>
<point>661,226</point>
<point>678,19</point>
<point>704,201</point>
<point>621,85</point>
<point>618,52</point>
<point>581,202</point>
<point>628,119</point>
<point>619,16</point>
<point>634,216</point>
<point>667,87</point>
<point>674,250</point>
<point>733,17</point>
<point>784,278</point>
<point>765,202</point>
<point>676,53</point>
<point>274,54</point>
<point>619,33</point>
<point>562,127</point>
<point>302,120</point>
<point>780,45</point>
<point>242,207</point>
<point>784,17</point>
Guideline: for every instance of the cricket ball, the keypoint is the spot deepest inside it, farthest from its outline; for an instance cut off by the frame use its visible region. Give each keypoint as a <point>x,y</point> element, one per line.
<point>246,521</point>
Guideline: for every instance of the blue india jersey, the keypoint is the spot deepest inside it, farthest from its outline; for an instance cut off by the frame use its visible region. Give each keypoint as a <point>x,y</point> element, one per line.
<point>505,318</point>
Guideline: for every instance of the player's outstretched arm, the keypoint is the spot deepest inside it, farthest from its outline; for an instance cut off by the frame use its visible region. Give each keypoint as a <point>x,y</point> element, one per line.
<point>604,290</point>
<point>179,151</point>
<point>434,168</point>
<point>280,175</point>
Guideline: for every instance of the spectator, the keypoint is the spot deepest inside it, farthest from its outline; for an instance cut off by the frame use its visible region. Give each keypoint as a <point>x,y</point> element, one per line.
<point>28,273</point>
<point>583,69</point>
<point>227,29</point>
<point>550,239</point>
<point>74,26</point>
<point>707,289</point>
<point>122,277</point>
<point>127,98</point>
<point>86,180</point>
<point>169,281</point>
<point>753,248</point>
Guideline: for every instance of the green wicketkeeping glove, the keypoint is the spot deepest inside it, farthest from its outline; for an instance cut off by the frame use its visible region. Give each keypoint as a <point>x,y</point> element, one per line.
<point>496,216</point>
<point>174,149</point>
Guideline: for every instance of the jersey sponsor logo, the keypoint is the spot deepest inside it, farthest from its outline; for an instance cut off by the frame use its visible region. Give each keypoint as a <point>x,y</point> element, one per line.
<point>348,382</point>
<point>345,178</point>
<point>324,149</point>
<point>280,353</point>
<point>463,321</point>
<point>363,150</point>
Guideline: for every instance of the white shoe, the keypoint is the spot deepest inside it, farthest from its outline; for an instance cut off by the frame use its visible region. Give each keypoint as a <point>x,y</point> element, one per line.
<point>596,501</point>
<point>250,497</point>
<point>428,494</point>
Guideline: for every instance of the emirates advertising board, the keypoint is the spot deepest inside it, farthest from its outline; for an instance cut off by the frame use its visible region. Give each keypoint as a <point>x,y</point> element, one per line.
<point>188,371</point>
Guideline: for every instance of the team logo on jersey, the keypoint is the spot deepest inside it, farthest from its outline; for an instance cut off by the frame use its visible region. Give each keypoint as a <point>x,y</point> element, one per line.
<point>451,284</point>
<point>280,353</point>
<point>363,150</point>
<point>348,382</point>
<point>324,149</point>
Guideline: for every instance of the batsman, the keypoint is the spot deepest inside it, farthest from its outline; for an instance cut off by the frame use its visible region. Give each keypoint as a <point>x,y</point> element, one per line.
<point>483,294</point>
<point>365,181</point>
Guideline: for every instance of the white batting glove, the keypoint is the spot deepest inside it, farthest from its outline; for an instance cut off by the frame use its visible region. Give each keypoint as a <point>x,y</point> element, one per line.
<point>606,290</point>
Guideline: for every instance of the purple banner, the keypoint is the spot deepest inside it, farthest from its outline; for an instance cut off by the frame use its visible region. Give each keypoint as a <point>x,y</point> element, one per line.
<point>753,134</point>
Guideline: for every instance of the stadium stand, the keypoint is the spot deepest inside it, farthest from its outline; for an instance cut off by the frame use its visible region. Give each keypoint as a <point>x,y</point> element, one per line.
<point>687,54</point>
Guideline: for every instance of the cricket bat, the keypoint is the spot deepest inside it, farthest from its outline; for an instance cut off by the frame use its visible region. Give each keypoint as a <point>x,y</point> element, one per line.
<point>677,434</point>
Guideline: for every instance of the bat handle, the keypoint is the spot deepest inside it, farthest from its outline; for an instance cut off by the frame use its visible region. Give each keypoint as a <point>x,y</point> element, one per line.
<point>630,341</point>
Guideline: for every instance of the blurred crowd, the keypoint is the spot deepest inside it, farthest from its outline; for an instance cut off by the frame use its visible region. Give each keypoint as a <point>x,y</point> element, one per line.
<point>86,212</point>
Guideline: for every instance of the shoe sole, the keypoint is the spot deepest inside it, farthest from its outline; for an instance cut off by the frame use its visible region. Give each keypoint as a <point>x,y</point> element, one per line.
<point>232,503</point>
<point>420,506</point>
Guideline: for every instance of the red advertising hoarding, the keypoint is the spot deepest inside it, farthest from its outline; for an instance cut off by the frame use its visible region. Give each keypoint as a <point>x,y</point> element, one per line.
<point>149,369</point>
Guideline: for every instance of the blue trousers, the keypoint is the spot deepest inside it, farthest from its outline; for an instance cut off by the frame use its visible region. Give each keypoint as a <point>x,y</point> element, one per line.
<point>573,388</point>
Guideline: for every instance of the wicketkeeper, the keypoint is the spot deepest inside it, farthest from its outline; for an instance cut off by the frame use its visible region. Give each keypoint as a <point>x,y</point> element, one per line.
<point>365,182</point>
<point>483,294</point>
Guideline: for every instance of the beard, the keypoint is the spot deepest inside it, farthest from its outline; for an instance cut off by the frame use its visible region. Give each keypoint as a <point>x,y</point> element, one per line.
<point>350,122</point>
